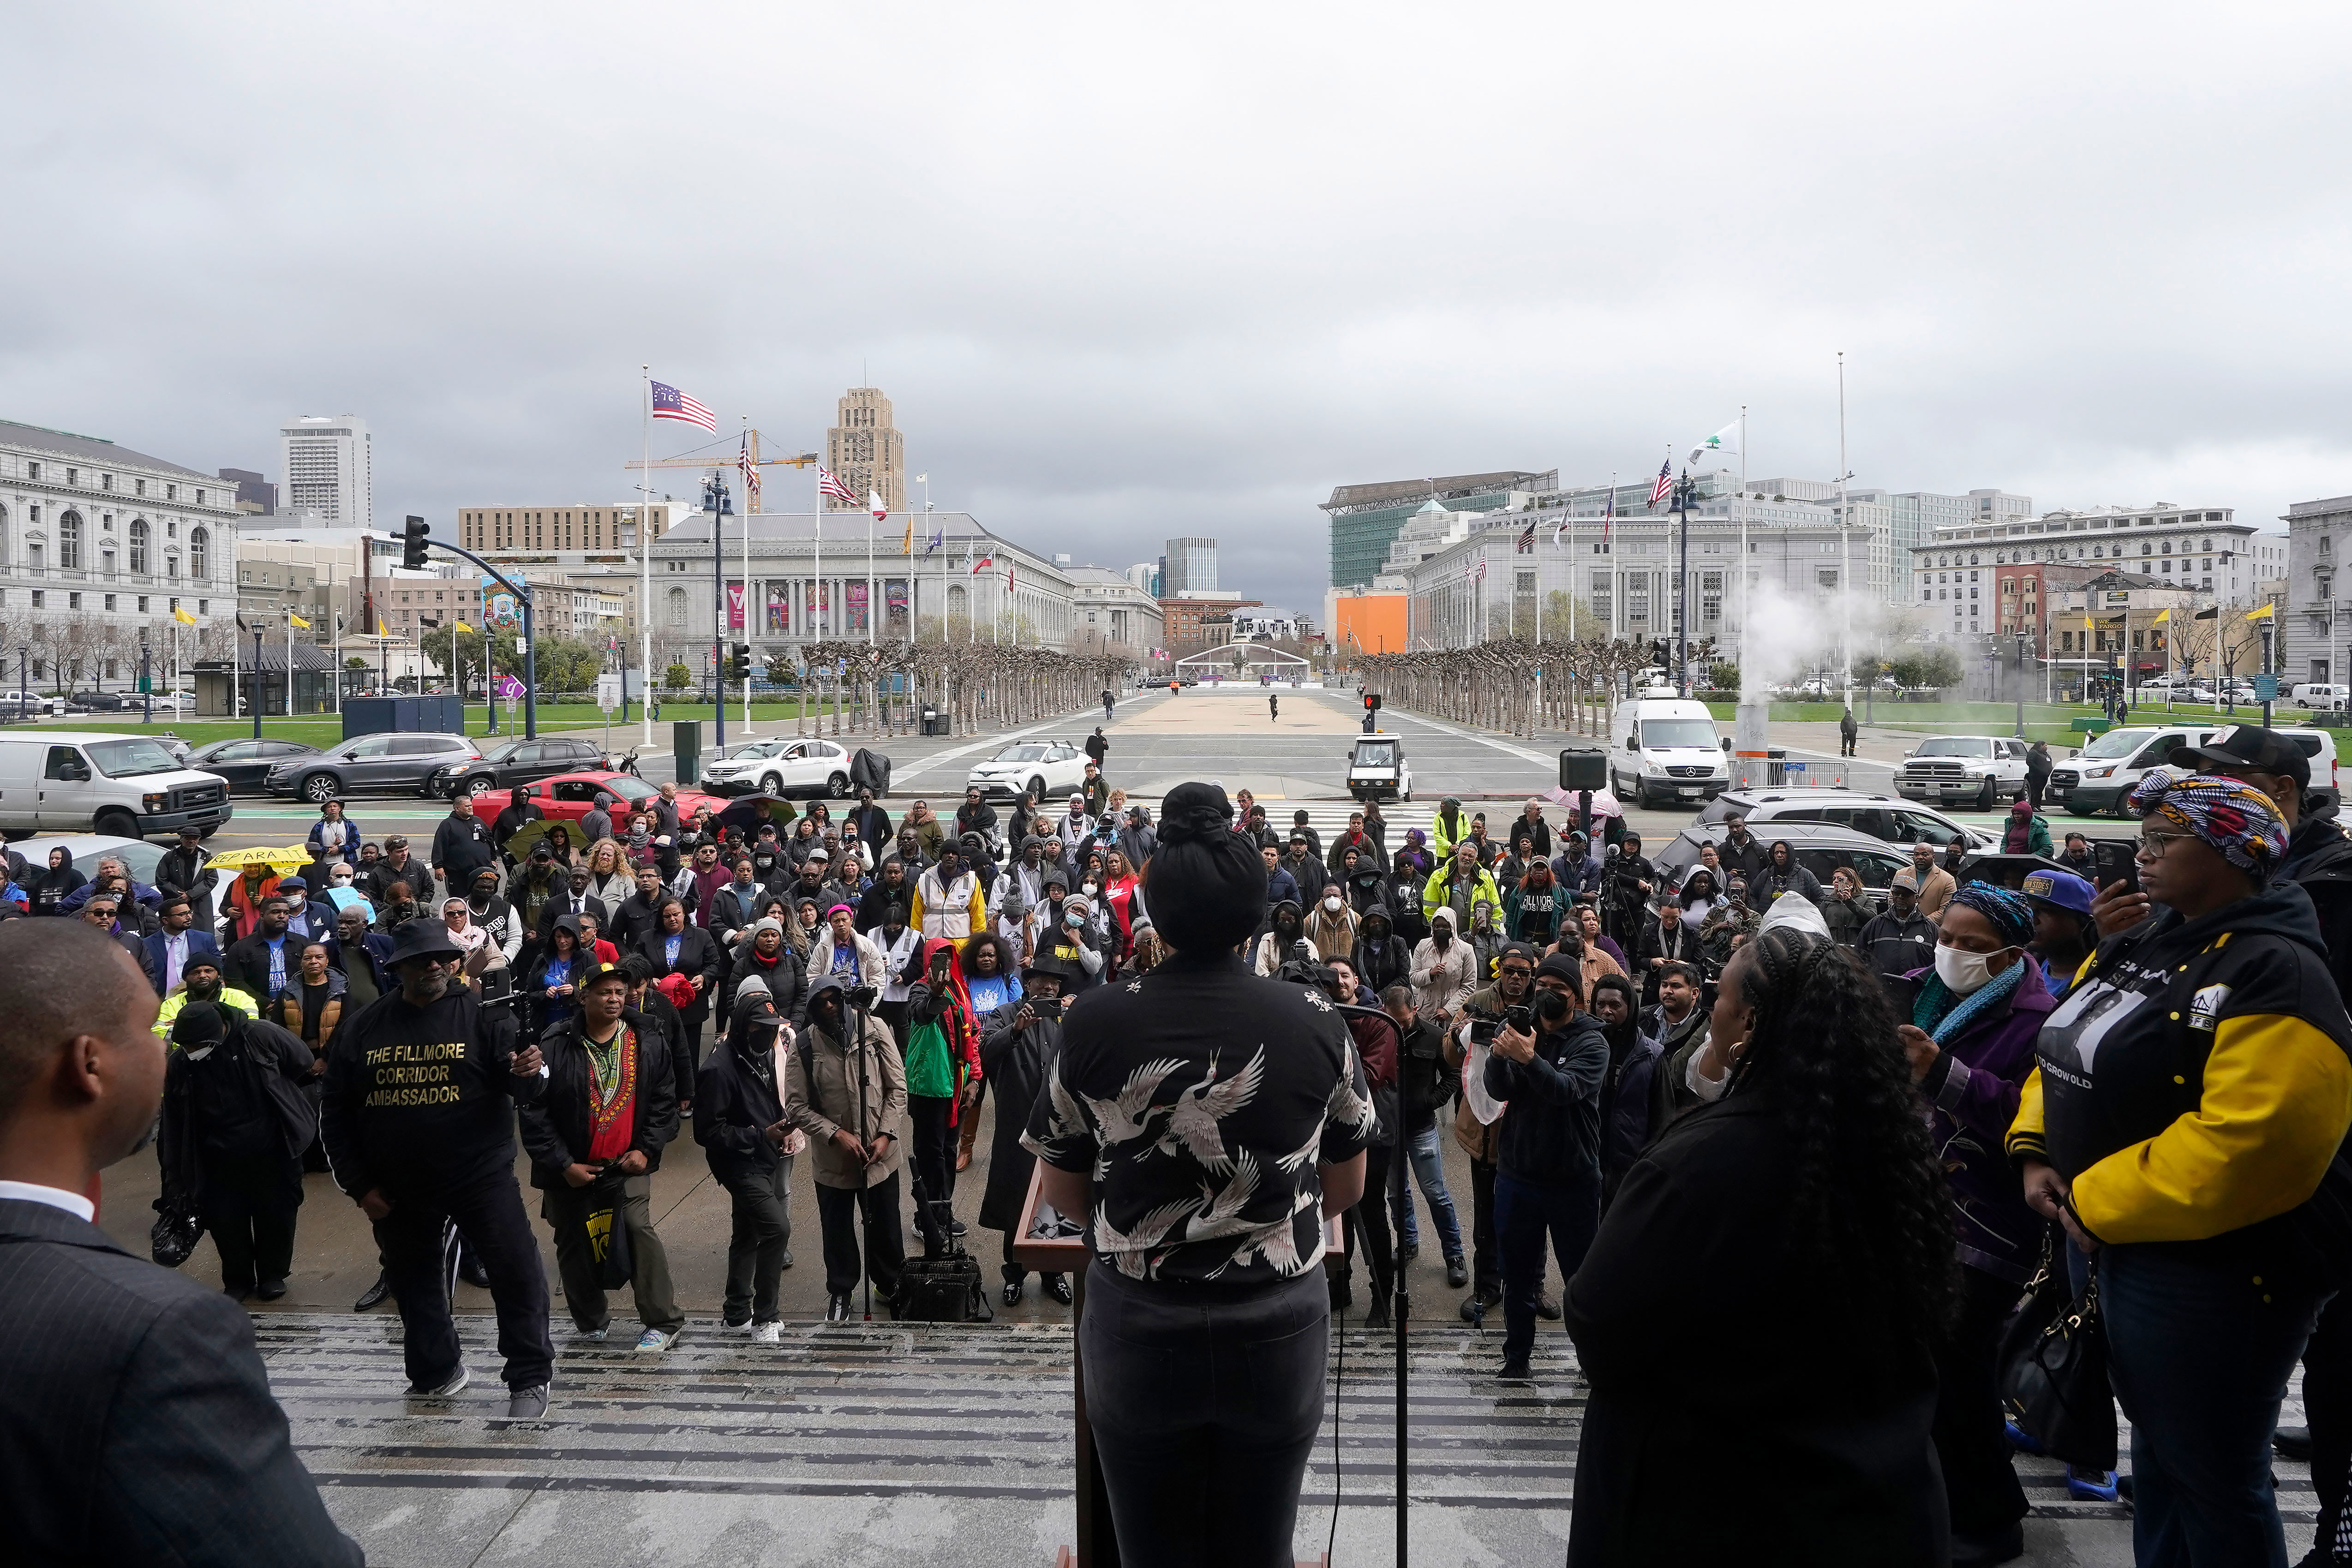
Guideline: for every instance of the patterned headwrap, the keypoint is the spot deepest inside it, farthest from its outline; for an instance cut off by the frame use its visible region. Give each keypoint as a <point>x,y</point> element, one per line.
<point>2231,816</point>
<point>2011,915</point>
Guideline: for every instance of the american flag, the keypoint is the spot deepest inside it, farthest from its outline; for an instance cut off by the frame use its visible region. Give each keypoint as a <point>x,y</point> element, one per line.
<point>1527,541</point>
<point>669,403</point>
<point>1481,573</point>
<point>1608,515</point>
<point>829,484</point>
<point>751,472</point>
<point>1660,485</point>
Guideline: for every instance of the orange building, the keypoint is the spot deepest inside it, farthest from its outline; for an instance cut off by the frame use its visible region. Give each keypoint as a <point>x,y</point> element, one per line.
<point>1368,623</point>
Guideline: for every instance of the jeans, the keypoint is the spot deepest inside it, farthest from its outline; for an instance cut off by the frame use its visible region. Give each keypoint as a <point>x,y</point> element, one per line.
<point>1979,1482</point>
<point>1205,1401</point>
<point>566,1209</point>
<point>410,1240</point>
<point>1526,1214</point>
<point>249,1207</point>
<point>932,1153</point>
<point>2199,1353</point>
<point>839,1211</point>
<point>1429,1175</point>
<point>761,1233</point>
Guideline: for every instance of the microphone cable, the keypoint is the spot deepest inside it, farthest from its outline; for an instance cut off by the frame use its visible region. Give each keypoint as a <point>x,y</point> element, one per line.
<point>1339,1388</point>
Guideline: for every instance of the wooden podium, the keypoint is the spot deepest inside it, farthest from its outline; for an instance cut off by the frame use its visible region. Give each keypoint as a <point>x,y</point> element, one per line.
<point>1097,1543</point>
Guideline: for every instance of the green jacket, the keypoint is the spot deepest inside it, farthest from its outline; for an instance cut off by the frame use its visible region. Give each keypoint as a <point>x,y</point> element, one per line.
<point>2037,836</point>
<point>1440,891</point>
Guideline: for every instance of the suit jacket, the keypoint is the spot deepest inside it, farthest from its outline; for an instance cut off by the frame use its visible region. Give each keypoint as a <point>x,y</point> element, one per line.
<point>151,956</point>
<point>698,956</point>
<point>136,1423</point>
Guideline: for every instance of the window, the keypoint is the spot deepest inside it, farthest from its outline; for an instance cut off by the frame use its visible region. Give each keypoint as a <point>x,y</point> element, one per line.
<point>70,541</point>
<point>200,549</point>
<point>73,601</point>
<point>110,601</point>
<point>204,606</point>
<point>32,470</point>
<point>139,544</point>
<point>37,597</point>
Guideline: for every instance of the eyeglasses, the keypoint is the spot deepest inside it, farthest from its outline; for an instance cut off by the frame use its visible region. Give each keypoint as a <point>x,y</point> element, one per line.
<point>2153,845</point>
<point>1516,971</point>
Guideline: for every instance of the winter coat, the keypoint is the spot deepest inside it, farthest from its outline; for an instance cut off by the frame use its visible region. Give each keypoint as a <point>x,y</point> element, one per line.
<point>1381,959</point>
<point>1441,980</point>
<point>1844,917</point>
<point>1771,882</point>
<point>1017,1062</point>
<point>829,1086</point>
<point>1334,936</point>
<point>1973,1087</point>
<point>1441,890</point>
<point>735,1104</point>
<point>1552,1134</point>
<point>556,1130</point>
<point>2036,835</point>
<point>286,1007</point>
<point>952,911</point>
<point>279,1065</point>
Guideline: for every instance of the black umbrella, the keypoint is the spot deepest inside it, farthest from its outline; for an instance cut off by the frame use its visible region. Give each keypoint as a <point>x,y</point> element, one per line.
<point>748,811</point>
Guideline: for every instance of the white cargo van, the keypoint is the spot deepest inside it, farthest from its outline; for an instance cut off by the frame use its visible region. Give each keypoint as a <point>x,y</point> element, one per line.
<point>81,781</point>
<point>1663,749</point>
<point>2318,694</point>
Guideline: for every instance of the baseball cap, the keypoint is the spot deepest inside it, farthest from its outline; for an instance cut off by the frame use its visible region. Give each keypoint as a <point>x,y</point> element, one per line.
<point>2060,890</point>
<point>2249,746</point>
<point>1905,880</point>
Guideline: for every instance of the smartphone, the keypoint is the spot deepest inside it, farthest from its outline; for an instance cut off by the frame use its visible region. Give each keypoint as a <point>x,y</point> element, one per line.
<point>2115,860</point>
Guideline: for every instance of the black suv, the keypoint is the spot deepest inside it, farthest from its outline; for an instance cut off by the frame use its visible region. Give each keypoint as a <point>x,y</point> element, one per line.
<point>1819,848</point>
<point>511,762</point>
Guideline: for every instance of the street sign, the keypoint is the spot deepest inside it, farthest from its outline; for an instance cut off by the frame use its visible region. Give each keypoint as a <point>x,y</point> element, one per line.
<point>510,688</point>
<point>608,692</point>
<point>2266,689</point>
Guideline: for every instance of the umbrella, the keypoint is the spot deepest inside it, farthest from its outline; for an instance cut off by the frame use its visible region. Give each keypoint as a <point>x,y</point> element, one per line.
<point>523,839</point>
<point>1604,803</point>
<point>293,858</point>
<point>748,811</point>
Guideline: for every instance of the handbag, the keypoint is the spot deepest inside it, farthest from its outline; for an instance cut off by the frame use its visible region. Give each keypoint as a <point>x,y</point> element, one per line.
<point>608,1235</point>
<point>178,1224</point>
<point>2053,1369</point>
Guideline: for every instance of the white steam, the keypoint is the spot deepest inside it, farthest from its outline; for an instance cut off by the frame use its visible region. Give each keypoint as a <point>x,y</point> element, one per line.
<point>1787,637</point>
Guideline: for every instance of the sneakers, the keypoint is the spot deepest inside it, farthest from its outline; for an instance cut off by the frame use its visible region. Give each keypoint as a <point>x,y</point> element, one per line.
<point>447,1391</point>
<point>1457,1273</point>
<point>1515,1371</point>
<point>735,1326</point>
<point>527,1404</point>
<point>595,1335</point>
<point>836,1309</point>
<point>2091,1486</point>
<point>372,1297</point>
<point>768,1333</point>
<point>654,1339</point>
<point>1057,1285</point>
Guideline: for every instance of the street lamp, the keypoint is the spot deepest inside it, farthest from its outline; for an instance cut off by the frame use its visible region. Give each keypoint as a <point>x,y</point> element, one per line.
<point>1685,490</point>
<point>256,678</point>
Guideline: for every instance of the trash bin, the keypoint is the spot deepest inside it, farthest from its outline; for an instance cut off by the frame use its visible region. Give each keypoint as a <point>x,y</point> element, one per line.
<point>686,741</point>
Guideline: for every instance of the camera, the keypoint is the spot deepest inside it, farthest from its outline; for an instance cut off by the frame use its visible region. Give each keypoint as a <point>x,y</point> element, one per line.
<point>863,997</point>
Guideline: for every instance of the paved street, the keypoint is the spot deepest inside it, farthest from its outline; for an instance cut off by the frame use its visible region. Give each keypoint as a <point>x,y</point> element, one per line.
<point>880,1443</point>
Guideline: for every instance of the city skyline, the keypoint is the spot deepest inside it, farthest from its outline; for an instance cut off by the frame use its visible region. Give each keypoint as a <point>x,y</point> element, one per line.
<point>2115,319</point>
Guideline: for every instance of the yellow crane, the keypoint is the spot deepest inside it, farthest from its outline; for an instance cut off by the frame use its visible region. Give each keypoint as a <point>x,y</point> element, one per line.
<point>726,460</point>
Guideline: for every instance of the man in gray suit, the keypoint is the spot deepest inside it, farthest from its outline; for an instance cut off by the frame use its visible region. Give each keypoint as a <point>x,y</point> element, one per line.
<point>136,1424</point>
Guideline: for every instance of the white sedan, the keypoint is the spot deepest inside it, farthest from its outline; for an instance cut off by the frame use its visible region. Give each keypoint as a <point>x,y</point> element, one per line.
<point>1046,768</point>
<point>783,766</point>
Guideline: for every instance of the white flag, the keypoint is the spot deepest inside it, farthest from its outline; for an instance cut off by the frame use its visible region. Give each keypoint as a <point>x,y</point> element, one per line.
<point>873,504</point>
<point>1724,443</point>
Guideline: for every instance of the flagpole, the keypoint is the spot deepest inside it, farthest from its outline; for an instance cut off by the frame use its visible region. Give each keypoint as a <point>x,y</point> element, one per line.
<point>645,554</point>
<point>1743,530</point>
<point>750,477</point>
<point>1845,533</point>
<point>289,661</point>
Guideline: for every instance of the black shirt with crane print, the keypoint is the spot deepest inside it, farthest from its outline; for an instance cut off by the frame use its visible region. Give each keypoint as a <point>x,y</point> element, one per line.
<point>1201,1099</point>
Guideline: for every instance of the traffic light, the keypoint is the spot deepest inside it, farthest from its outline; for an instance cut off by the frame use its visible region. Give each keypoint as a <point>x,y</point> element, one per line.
<point>412,544</point>
<point>1371,701</point>
<point>739,661</point>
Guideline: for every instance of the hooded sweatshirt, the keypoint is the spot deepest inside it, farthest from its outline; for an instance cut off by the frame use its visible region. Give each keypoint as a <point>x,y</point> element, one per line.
<point>1381,958</point>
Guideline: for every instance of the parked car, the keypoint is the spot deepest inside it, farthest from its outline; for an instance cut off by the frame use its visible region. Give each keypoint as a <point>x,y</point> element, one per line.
<point>1819,848</point>
<point>782,766</point>
<point>1048,767</point>
<point>568,798</point>
<point>81,781</point>
<point>1947,768</point>
<point>100,702</point>
<point>510,762</point>
<point>246,763</point>
<point>369,764</point>
<point>1882,817</point>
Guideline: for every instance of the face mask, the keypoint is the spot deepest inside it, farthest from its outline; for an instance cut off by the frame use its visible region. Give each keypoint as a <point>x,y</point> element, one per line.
<point>1088,890</point>
<point>1074,920</point>
<point>1962,971</point>
<point>1331,902</point>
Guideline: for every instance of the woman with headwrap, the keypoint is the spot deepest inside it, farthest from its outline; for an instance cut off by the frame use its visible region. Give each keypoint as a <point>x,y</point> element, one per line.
<point>1811,1180</point>
<point>1200,1122</point>
<point>1415,855</point>
<point>1969,1039</point>
<point>2186,1123</point>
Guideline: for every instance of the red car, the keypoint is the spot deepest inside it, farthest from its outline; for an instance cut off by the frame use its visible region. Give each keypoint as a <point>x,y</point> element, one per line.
<point>568,798</point>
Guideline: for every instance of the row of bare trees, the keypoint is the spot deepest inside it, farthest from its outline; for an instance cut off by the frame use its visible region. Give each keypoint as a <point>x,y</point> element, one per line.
<point>1514,685</point>
<point>882,689</point>
<point>67,648</point>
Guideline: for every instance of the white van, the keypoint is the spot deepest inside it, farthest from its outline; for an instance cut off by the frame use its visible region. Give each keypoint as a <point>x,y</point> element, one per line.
<point>2104,774</point>
<point>2316,694</point>
<point>83,781</point>
<point>1665,748</point>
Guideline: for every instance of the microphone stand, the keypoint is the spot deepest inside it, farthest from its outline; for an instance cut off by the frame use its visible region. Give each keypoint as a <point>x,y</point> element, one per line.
<point>1397,1315</point>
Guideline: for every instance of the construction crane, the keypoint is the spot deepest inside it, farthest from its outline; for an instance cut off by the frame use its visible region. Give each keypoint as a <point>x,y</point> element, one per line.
<point>728,460</point>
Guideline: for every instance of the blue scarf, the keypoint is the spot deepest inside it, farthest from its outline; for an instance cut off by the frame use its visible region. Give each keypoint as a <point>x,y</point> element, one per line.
<point>1946,1015</point>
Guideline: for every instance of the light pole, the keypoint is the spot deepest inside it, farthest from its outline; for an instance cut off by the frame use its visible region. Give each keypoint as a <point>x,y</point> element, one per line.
<point>1684,489</point>
<point>256,678</point>
<point>716,502</point>
<point>2020,686</point>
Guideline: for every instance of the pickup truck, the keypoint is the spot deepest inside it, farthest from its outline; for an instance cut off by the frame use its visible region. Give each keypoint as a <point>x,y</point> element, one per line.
<point>1985,769</point>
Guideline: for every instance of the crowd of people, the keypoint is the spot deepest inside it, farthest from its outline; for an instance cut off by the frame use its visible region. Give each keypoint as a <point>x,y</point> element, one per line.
<point>1831,1142</point>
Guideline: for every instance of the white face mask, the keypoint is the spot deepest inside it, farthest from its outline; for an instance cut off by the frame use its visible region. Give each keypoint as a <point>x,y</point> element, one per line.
<point>1331,902</point>
<point>1963,972</point>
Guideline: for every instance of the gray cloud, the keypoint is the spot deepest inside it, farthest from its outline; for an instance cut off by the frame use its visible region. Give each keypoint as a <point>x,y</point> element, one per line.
<point>1128,276</point>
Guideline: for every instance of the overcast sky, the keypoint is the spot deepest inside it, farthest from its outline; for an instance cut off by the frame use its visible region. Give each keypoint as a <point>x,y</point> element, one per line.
<point>1130,275</point>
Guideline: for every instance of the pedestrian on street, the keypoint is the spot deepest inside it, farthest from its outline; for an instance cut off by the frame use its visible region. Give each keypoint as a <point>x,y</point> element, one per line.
<point>596,1138</point>
<point>2037,773</point>
<point>1107,701</point>
<point>1096,747</point>
<point>418,1133</point>
<point>1814,1176</point>
<point>136,1421</point>
<point>846,1086</point>
<point>2241,1174</point>
<point>1273,707</point>
<point>1847,731</point>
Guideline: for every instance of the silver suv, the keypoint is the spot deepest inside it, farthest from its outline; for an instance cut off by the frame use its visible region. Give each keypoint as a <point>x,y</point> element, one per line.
<point>1949,768</point>
<point>1880,815</point>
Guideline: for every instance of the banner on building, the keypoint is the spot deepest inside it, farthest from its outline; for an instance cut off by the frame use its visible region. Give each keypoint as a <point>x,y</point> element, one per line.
<point>735,606</point>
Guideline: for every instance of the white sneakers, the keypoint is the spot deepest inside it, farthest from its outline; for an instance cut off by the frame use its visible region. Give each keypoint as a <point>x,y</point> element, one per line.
<point>767,1333</point>
<point>654,1339</point>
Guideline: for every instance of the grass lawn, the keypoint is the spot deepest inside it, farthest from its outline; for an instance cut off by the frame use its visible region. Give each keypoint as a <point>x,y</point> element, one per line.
<point>327,729</point>
<point>2052,722</point>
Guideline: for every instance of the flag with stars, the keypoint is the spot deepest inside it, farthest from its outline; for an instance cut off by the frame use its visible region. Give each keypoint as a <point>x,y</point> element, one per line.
<point>669,403</point>
<point>1663,483</point>
<point>828,483</point>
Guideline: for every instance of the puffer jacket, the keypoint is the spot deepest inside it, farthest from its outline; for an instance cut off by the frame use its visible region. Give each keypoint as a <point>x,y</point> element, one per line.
<point>828,1087</point>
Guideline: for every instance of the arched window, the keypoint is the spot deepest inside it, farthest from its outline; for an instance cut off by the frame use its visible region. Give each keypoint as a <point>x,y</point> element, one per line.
<point>678,609</point>
<point>139,544</point>
<point>957,605</point>
<point>200,550</point>
<point>70,539</point>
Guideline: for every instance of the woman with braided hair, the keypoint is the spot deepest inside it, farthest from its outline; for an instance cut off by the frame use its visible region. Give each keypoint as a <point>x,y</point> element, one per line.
<point>1760,1307</point>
